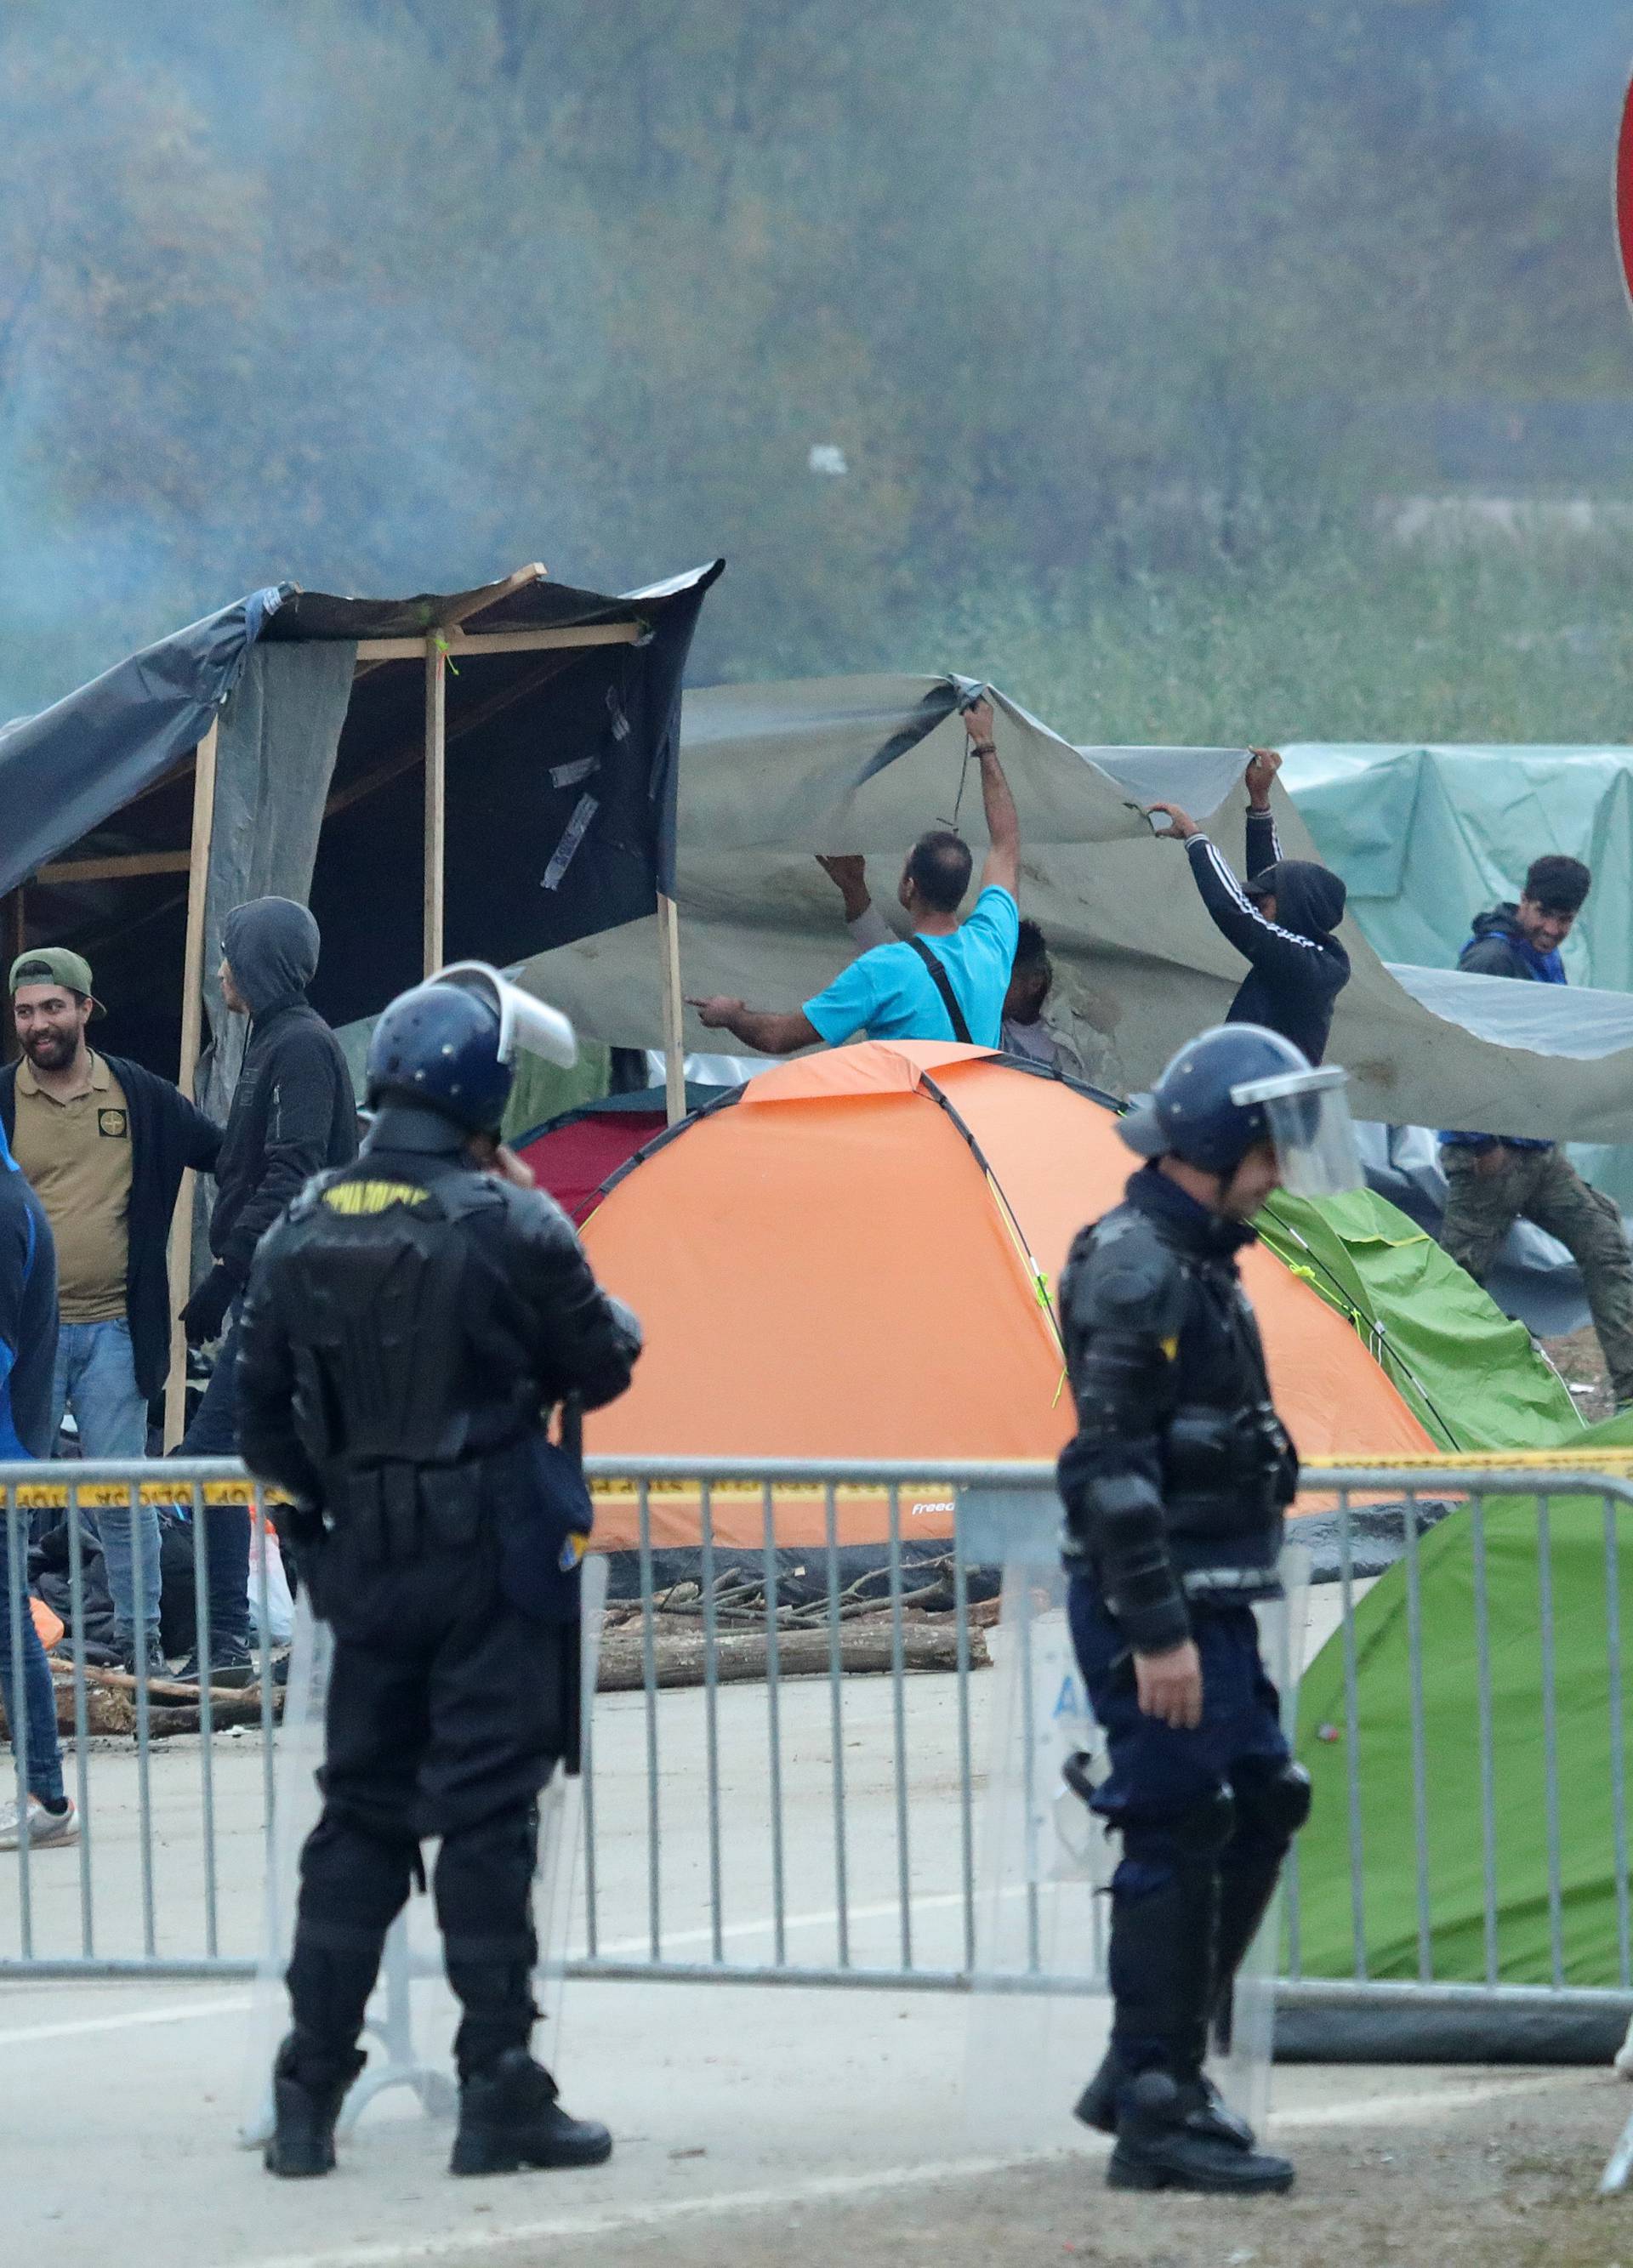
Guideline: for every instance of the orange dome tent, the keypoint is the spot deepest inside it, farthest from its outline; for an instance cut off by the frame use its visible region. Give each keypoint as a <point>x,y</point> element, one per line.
<point>843,1261</point>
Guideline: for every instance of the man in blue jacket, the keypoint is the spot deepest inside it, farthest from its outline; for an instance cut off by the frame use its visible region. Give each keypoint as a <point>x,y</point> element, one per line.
<point>28,1365</point>
<point>1492,1183</point>
<point>1283,921</point>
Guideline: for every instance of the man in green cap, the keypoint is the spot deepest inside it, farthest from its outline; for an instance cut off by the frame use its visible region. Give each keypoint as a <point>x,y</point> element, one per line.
<point>105,1144</point>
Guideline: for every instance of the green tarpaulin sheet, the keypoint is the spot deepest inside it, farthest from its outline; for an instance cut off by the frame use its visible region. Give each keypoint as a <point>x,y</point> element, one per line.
<point>1471,1374</point>
<point>1549,1922</point>
<point>1428,837</point>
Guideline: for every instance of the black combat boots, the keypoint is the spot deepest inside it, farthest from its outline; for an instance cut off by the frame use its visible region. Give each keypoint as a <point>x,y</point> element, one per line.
<point>303,2137</point>
<point>509,2119</point>
<point>1159,2148</point>
<point>1201,2106</point>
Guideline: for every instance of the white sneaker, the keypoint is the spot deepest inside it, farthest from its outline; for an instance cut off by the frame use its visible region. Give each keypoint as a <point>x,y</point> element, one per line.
<point>45,1827</point>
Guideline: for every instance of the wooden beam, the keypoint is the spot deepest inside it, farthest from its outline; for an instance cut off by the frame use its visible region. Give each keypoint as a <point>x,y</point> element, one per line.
<point>436,796</point>
<point>127,867</point>
<point>673,1042</point>
<point>192,1027</point>
<point>477,602</point>
<point>474,644</point>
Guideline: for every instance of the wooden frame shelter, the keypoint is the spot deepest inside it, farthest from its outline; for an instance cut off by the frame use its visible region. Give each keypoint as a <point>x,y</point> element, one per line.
<point>506,677</point>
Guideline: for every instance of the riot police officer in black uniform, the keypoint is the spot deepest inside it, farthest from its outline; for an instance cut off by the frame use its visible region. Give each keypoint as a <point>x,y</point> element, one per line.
<point>410,1323</point>
<point>1175,1487</point>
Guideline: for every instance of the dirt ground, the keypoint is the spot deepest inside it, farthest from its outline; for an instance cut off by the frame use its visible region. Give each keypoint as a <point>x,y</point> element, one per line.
<point>1510,2183</point>
<point>1580,1364</point>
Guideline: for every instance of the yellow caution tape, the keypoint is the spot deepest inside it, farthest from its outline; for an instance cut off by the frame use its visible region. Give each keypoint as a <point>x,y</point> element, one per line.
<point>114,1496</point>
<point>1612,1463</point>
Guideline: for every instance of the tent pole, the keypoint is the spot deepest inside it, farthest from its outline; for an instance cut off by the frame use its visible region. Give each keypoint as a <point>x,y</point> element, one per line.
<point>192,1025</point>
<point>674,1046</point>
<point>436,800</point>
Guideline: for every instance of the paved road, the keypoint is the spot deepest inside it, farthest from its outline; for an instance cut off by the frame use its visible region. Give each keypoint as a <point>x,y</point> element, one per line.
<point>751,2126</point>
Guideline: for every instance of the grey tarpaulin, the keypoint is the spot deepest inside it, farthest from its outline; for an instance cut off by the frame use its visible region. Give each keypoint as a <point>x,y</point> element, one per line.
<point>64,771</point>
<point>274,758</point>
<point>770,774</point>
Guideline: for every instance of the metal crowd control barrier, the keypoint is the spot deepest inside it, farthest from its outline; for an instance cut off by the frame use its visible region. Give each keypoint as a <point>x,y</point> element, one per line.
<point>754,1812</point>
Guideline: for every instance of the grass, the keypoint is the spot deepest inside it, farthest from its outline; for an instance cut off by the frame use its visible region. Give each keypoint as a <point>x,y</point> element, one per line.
<point>1350,639</point>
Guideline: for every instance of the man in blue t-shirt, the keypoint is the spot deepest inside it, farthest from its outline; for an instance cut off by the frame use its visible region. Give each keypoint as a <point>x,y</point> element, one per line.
<point>945,982</point>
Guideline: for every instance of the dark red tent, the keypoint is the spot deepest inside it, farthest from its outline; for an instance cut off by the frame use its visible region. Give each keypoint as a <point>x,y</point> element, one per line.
<point>574,1155</point>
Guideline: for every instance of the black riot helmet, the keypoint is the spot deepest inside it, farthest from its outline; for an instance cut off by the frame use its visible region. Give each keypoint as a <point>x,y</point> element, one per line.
<point>451,1043</point>
<point>1239,1084</point>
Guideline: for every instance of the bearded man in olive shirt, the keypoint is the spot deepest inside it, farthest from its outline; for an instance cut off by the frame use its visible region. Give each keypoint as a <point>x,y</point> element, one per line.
<point>104,1144</point>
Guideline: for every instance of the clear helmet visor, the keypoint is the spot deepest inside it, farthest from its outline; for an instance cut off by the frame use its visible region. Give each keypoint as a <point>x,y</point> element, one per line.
<point>1307,1118</point>
<point>524,1022</point>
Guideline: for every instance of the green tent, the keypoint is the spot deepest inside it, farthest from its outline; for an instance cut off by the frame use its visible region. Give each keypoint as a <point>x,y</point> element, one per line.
<point>1473,1377</point>
<point>1592,1724</point>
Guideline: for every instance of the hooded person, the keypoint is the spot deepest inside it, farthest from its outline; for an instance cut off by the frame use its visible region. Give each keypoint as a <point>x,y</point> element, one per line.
<point>1283,922</point>
<point>293,1114</point>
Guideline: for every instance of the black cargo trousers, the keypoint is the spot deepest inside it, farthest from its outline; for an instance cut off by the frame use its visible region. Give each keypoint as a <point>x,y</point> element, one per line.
<point>448,1710</point>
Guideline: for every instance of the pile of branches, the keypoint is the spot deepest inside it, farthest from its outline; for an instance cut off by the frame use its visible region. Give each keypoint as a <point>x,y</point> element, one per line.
<point>752,1617</point>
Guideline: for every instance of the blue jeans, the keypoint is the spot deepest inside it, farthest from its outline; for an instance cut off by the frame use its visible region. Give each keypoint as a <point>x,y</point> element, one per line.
<point>45,1750</point>
<point>96,1379</point>
<point>214,1433</point>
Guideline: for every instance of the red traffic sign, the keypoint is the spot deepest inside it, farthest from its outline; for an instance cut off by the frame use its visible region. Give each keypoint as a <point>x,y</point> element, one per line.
<point>1624,191</point>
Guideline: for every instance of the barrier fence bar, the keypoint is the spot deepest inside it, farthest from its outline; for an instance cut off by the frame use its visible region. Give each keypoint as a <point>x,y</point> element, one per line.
<point>206,1724</point>
<point>836,1728</point>
<point>649,1702</point>
<point>711,1706</point>
<point>773,1727</point>
<point>167,1908</point>
<point>1352,1729</point>
<point>1618,1756</point>
<point>82,1741</point>
<point>1488,1757</point>
<point>898,1720</point>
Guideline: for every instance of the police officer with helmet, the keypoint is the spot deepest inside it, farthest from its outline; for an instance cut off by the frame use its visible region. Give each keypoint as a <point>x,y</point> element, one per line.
<point>410,1323</point>
<point>1175,1488</point>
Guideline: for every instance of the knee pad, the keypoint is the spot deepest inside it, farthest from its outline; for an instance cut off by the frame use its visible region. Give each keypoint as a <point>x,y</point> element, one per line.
<point>1273,1803</point>
<point>1188,1840</point>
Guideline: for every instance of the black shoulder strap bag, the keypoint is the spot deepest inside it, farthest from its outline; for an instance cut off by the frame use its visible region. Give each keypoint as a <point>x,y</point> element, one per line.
<point>943,985</point>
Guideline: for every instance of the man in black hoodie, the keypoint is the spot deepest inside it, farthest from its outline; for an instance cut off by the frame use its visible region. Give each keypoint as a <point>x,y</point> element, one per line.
<point>293,1114</point>
<point>1283,921</point>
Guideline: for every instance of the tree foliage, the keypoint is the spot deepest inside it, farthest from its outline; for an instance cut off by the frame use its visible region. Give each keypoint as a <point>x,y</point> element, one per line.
<point>383,295</point>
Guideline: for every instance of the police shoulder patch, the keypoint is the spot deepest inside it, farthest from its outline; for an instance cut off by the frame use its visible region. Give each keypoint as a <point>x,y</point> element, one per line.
<point>372,1197</point>
<point>1127,1279</point>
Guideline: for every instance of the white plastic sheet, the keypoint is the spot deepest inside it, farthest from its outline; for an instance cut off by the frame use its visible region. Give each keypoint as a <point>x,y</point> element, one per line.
<point>1041,2015</point>
<point>413,2016</point>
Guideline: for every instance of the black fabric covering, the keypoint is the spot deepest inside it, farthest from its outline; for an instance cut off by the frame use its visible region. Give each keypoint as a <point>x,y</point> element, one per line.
<point>515,724</point>
<point>105,773</point>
